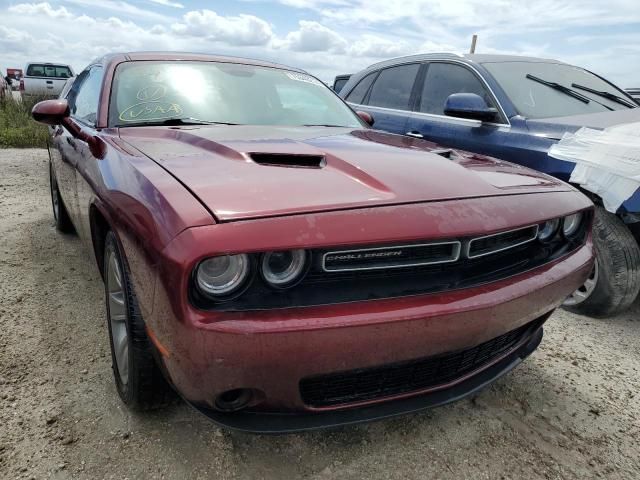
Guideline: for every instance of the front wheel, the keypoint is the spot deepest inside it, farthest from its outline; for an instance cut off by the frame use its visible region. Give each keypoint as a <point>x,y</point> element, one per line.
<point>60,214</point>
<point>139,381</point>
<point>614,282</point>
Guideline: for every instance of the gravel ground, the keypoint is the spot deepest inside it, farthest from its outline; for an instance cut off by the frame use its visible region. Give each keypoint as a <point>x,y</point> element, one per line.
<point>571,411</point>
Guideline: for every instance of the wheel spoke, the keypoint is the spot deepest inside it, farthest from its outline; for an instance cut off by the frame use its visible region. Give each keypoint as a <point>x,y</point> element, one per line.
<point>117,297</point>
<point>121,349</point>
<point>120,317</point>
<point>116,305</point>
<point>115,279</point>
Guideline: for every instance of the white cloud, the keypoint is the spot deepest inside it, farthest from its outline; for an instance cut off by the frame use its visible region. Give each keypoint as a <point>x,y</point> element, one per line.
<point>168,3</point>
<point>539,14</point>
<point>243,29</point>
<point>42,8</point>
<point>12,40</point>
<point>336,36</point>
<point>120,8</point>
<point>158,29</point>
<point>314,37</point>
<point>314,4</point>
<point>73,39</point>
<point>430,47</point>
<point>377,47</point>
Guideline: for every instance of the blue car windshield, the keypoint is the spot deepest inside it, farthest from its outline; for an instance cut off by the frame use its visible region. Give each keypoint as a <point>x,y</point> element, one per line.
<point>530,87</point>
<point>180,92</point>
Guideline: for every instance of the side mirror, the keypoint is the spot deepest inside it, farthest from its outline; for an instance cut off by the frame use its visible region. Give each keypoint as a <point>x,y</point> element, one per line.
<point>366,117</point>
<point>50,112</point>
<point>56,112</point>
<point>469,105</point>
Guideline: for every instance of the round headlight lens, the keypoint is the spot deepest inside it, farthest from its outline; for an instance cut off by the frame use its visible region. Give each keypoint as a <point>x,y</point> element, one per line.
<point>222,275</point>
<point>571,224</point>
<point>548,229</point>
<point>281,269</point>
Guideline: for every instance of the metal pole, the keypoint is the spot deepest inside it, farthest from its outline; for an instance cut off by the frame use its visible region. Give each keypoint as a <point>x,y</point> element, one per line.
<point>474,39</point>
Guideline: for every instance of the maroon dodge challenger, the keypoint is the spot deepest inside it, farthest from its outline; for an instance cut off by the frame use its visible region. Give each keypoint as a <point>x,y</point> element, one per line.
<point>282,265</point>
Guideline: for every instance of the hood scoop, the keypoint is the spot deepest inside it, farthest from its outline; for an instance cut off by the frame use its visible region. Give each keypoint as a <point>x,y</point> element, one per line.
<point>288,160</point>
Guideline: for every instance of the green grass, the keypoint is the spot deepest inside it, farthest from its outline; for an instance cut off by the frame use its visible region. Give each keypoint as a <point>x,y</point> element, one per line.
<point>17,128</point>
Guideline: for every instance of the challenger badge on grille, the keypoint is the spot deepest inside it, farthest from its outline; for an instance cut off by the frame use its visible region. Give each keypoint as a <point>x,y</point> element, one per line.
<point>391,257</point>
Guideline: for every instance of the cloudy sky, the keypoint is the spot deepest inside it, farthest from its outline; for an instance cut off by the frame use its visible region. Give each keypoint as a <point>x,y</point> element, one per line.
<point>327,37</point>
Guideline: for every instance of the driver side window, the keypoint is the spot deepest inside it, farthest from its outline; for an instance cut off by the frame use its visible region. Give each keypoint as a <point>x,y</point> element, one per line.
<point>85,95</point>
<point>444,79</point>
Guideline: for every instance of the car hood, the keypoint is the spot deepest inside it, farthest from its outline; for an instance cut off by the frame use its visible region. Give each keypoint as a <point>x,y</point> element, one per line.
<point>357,168</point>
<point>555,127</point>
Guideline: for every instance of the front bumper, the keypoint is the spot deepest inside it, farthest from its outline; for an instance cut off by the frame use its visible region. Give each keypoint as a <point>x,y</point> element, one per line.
<point>270,352</point>
<point>267,423</point>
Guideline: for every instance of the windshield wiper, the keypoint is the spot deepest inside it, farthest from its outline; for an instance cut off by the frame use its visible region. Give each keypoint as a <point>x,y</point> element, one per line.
<point>174,121</point>
<point>608,95</point>
<point>560,88</point>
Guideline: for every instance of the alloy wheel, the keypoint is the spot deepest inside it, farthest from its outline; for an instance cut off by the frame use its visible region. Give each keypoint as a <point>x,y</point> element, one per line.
<point>118,316</point>
<point>585,291</point>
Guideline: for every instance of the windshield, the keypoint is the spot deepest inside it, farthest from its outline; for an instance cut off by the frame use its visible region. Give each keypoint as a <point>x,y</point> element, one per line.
<point>153,92</point>
<point>534,99</point>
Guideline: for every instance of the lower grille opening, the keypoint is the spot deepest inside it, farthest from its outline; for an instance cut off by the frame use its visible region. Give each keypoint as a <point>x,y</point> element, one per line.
<point>410,376</point>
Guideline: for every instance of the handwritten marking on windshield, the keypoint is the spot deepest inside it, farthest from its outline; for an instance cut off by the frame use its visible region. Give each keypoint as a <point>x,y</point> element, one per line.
<point>151,93</point>
<point>150,111</point>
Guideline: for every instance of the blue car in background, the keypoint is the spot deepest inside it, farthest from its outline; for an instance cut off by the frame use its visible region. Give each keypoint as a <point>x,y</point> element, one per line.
<point>514,108</point>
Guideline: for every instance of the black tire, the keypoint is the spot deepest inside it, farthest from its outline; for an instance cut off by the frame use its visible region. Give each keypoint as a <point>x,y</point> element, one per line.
<point>60,214</point>
<point>618,273</point>
<point>145,387</point>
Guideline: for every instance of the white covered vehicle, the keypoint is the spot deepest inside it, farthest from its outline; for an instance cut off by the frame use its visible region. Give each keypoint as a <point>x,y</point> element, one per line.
<point>45,79</point>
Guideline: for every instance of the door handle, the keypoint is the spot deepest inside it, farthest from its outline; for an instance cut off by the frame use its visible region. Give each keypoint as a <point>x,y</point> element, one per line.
<point>71,142</point>
<point>414,134</point>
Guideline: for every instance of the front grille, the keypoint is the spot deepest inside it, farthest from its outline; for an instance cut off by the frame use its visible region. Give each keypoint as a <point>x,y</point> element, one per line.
<point>339,276</point>
<point>410,376</point>
<point>391,257</point>
<point>479,247</point>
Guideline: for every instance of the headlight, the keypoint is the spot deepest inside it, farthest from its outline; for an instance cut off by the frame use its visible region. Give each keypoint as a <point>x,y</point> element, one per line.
<point>571,224</point>
<point>282,269</point>
<point>221,276</point>
<point>548,229</point>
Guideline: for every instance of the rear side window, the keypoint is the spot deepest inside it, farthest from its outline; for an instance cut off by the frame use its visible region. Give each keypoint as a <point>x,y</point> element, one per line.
<point>85,95</point>
<point>444,79</point>
<point>49,71</point>
<point>357,94</point>
<point>341,82</point>
<point>392,88</point>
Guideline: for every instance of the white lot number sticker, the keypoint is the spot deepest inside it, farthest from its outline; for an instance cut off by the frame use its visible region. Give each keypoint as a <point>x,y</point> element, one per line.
<point>301,77</point>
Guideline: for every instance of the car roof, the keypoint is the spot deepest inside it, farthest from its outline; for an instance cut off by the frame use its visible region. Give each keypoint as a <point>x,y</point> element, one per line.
<point>186,56</point>
<point>57,64</point>
<point>475,58</point>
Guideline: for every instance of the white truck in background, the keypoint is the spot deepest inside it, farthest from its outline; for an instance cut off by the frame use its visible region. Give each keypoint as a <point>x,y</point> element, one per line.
<point>44,79</point>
